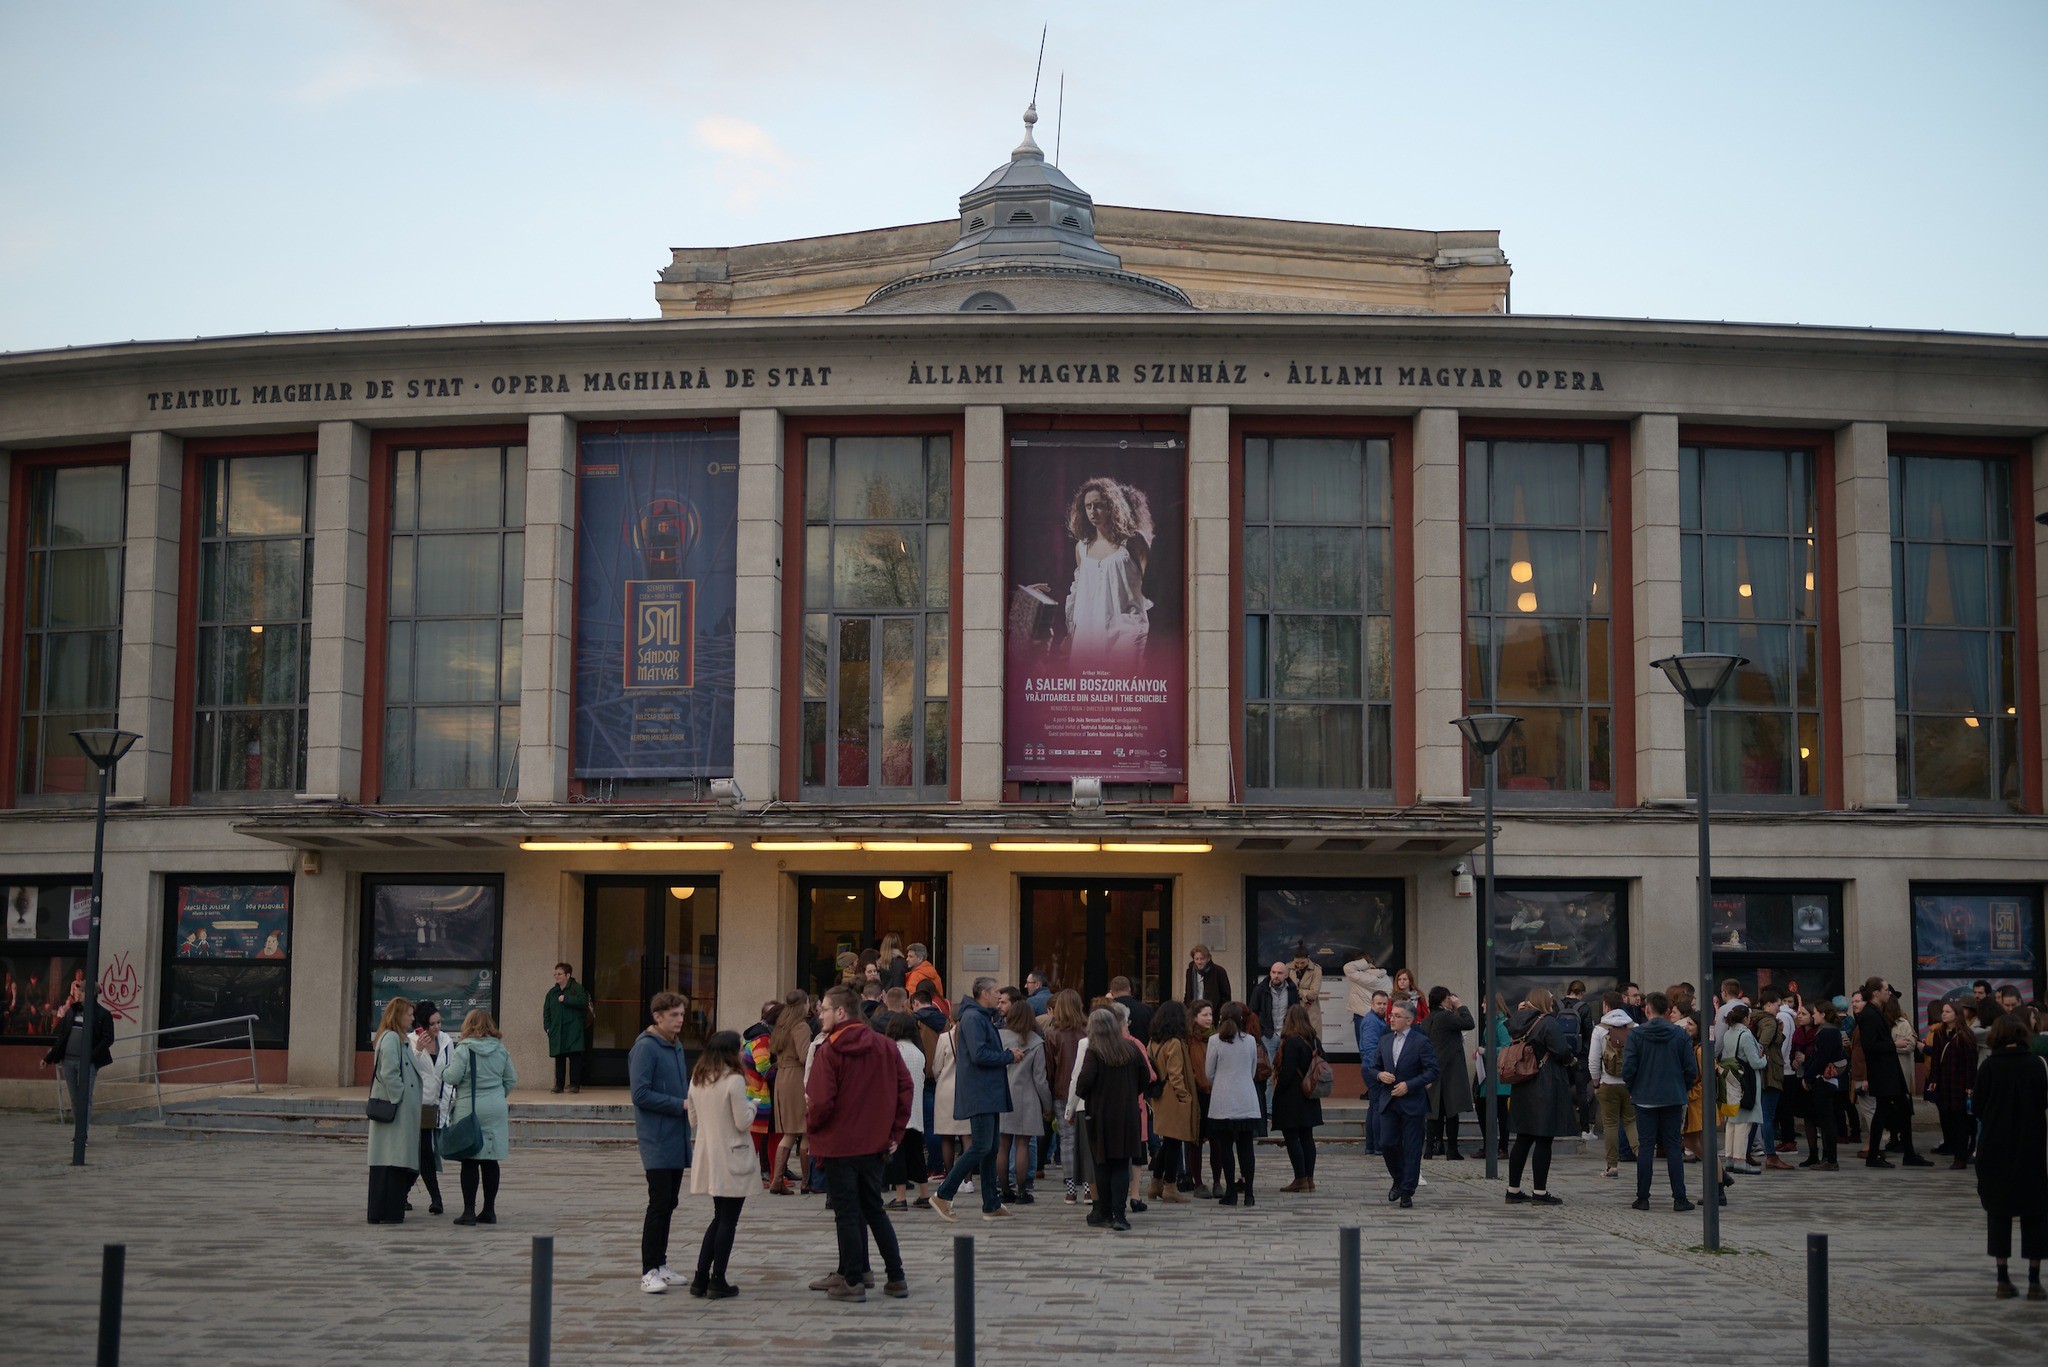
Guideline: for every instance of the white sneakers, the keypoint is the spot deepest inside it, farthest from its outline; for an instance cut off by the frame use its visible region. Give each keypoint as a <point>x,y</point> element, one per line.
<point>670,1275</point>
<point>967,1187</point>
<point>653,1283</point>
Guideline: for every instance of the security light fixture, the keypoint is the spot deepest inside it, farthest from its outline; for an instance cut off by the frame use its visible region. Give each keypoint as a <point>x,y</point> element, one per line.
<point>726,793</point>
<point>1087,793</point>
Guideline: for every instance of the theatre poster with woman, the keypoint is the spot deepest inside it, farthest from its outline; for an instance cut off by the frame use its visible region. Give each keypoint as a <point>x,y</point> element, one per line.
<point>1096,646</point>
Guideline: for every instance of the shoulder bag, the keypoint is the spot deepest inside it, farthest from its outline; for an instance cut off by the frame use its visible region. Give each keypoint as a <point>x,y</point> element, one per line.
<point>465,1138</point>
<point>1520,1062</point>
<point>1318,1080</point>
<point>381,1111</point>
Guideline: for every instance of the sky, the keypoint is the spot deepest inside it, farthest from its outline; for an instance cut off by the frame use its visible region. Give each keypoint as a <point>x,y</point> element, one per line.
<point>212,167</point>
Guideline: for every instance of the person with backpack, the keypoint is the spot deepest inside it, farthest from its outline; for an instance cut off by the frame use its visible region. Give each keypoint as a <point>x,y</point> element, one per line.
<point>1538,1065</point>
<point>1659,1068</point>
<point>1604,1055</point>
<point>1739,1089</point>
<point>1297,1105</point>
<point>1575,1019</point>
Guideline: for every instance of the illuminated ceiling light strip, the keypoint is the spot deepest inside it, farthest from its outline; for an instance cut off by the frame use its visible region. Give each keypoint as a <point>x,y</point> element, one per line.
<point>571,845</point>
<point>804,846</point>
<point>1158,847</point>
<point>678,844</point>
<point>1045,846</point>
<point>916,846</point>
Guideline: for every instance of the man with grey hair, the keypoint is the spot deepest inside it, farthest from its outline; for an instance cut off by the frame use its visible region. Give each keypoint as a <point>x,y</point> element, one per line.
<point>1407,1068</point>
<point>981,1094</point>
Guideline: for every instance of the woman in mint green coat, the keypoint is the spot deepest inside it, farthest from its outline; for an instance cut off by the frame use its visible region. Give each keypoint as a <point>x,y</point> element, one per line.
<point>481,1074</point>
<point>394,1143</point>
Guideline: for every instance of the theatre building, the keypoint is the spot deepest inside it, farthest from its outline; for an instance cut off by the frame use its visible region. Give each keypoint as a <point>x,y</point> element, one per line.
<point>1057,586</point>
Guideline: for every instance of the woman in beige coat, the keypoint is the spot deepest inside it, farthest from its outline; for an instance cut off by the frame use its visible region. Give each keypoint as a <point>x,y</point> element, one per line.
<point>1174,1112</point>
<point>790,1046</point>
<point>945,1069</point>
<point>724,1166</point>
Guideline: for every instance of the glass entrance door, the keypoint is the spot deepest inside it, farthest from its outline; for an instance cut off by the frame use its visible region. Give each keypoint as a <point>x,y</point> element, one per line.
<point>642,936</point>
<point>851,915</point>
<point>1080,933</point>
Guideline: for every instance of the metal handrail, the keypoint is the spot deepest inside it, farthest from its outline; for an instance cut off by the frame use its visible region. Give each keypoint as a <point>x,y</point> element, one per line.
<point>139,1046</point>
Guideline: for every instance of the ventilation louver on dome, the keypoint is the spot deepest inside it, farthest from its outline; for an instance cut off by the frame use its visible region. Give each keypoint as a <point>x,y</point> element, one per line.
<point>976,224</point>
<point>1070,222</point>
<point>1021,216</point>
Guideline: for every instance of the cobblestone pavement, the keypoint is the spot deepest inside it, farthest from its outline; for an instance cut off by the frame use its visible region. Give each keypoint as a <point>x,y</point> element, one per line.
<point>257,1252</point>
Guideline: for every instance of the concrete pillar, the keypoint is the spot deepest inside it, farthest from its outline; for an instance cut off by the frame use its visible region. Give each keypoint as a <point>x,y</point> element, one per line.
<point>548,647</point>
<point>1210,540</point>
<point>149,615</point>
<point>984,599</point>
<point>756,939</point>
<point>1439,608</point>
<point>1863,571</point>
<point>1659,608</point>
<point>341,577</point>
<point>1446,931</point>
<point>1664,910</point>
<point>2038,590</point>
<point>757,647</point>
<point>325,961</point>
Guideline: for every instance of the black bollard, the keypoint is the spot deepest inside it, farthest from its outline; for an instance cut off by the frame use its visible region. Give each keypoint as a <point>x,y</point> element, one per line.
<point>963,1300</point>
<point>1817,1300</point>
<point>113,1267</point>
<point>540,1329</point>
<point>1348,1340</point>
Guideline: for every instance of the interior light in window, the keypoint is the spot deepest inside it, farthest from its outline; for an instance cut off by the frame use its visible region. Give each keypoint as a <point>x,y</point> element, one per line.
<point>890,888</point>
<point>1744,590</point>
<point>1805,753</point>
<point>255,631</point>
<point>1970,722</point>
<point>1527,602</point>
<point>2010,711</point>
<point>1521,571</point>
<point>1809,581</point>
<point>682,894</point>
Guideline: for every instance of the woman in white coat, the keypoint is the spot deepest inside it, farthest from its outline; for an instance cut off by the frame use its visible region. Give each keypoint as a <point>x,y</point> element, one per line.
<point>431,1047</point>
<point>724,1165</point>
<point>1739,1051</point>
<point>945,1068</point>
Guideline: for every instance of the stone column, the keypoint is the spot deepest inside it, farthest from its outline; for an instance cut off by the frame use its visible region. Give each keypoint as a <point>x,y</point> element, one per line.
<point>757,648</point>
<point>1209,720</point>
<point>984,600</point>
<point>547,644</point>
<point>1863,571</point>
<point>341,577</point>
<point>1659,609</point>
<point>326,957</point>
<point>1439,608</point>
<point>149,615</point>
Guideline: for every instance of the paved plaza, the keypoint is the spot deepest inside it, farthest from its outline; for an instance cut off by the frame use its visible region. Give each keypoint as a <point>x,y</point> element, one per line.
<point>256,1251</point>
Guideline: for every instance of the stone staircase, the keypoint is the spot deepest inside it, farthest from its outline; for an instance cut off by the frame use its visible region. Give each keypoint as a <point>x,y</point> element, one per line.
<point>340,1120</point>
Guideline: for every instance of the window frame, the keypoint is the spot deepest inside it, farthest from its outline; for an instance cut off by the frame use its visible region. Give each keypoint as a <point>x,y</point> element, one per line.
<point>1740,962</point>
<point>172,884</point>
<point>366,943</point>
<point>796,439</point>
<point>42,946</point>
<point>2026,673</point>
<point>1400,609</point>
<point>1623,890</point>
<point>1622,777</point>
<point>377,618</point>
<point>1827,616</point>
<point>12,659</point>
<point>2037,893</point>
<point>184,744</point>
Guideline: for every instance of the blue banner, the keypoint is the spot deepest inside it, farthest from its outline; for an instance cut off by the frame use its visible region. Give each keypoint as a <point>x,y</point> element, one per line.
<point>657,525</point>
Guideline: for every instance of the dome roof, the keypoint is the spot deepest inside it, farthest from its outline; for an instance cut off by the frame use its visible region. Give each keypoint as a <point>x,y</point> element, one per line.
<point>1027,244</point>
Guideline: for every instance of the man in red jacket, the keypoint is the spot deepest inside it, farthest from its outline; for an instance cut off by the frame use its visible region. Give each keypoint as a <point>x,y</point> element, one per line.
<point>857,1103</point>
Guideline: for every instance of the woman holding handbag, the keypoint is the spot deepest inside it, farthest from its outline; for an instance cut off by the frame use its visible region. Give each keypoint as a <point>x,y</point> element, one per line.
<point>1175,1111</point>
<point>1297,1111</point>
<point>394,1112</point>
<point>1740,1078</point>
<point>724,1168</point>
<point>431,1049</point>
<point>480,1135</point>
<point>1111,1078</point>
<point>1544,1106</point>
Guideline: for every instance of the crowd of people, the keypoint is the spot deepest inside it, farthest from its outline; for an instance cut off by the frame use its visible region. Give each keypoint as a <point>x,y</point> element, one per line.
<point>886,1096</point>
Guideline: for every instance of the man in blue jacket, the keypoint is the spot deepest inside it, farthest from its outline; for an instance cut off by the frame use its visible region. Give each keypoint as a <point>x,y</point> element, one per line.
<point>981,1094</point>
<point>1372,1027</point>
<point>1407,1068</point>
<point>660,1077</point>
<point>1659,1067</point>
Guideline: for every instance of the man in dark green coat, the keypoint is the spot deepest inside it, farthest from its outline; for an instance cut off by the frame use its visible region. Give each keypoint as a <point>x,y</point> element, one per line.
<point>566,1014</point>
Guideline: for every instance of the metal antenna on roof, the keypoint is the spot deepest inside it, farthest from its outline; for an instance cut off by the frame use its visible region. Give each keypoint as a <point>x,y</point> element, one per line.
<point>1059,120</point>
<point>1037,71</point>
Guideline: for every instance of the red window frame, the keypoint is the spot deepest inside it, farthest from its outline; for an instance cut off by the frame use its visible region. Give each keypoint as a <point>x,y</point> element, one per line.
<point>11,655</point>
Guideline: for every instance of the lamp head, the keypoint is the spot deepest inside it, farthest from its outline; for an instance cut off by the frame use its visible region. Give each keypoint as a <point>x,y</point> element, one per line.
<point>104,745</point>
<point>1699,677</point>
<point>1485,731</point>
<point>1087,793</point>
<point>726,793</point>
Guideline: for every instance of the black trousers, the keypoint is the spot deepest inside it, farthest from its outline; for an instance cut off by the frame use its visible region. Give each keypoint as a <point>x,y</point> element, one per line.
<point>472,1169</point>
<point>572,1064</point>
<point>2033,1236</point>
<point>716,1250</point>
<point>1401,1138</point>
<point>855,1188</point>
<point>426,1172</point>
<point>1823,1121</point>
<point>905,1167</point>
<point>1236,1152</point>
<point>1525,1144</point>
<point>1958,1135</point>
<point>1655,1126</point>
<point>1166,1164</point>
<point>1301,1151</point>
<point>387,1194</point>
<point>1113,1189</point>
<point>664,1190</point>
<point>1894,1117</point>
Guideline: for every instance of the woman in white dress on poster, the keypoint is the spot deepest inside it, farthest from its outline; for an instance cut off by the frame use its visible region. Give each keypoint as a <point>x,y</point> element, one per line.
<point>1108,614</point>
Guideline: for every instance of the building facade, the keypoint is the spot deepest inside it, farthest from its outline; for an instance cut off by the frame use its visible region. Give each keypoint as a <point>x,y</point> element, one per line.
<point>700,651</point>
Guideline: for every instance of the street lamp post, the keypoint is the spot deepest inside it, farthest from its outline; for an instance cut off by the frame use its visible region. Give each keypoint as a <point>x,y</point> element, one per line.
<point>104,746</point>
<point>1485,732</point>
<point>1699,678</point>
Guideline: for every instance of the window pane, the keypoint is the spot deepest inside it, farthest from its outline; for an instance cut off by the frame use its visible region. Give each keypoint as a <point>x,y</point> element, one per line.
<point>1479,681</point>
<point>1256,543</point>
<point>1476,500</point>
<point>1808,648</point>
<point>1316,657</point>
<point>1479,573</point>
<point>1379,658</point>
<point>1951,758</point>
<point>1256,662</point>
<point>1536,483</point>
<point>814,742</point>
<point>1256,506</point>
<point>852,730</point>
<point>876,479</point>
<point>1766,681</point>
<point>266,495</point>
<point>1379,494</point>
<point>1258,756</point>
<point>458,574</point>
<point>1545,753</point>
<point>1378,572</point>
<point>84,588</point>
<point>937,655</point>
<point>1317,567</point>
<point>1598,666</point>
<point>815,652</point>
<point>1689,576</point>
<point>87,504</point>
<point>1689,488</point>
<point>1809,755</point>
<point>1944,498</point>
<point>405,491</point>
<point>461,488</point>
<point>1595,467</point>
<point>84,670</point>
<point>899,703</point>
<point>401,577</point>
<point>1379,752</point>
<point>515,573</point>
<point>1318,480</point>
<point>263,581</point>
<point>398,663</point>
<point>1949,671</point>
<point>1744,491</point>
<point>454,748</point>
<point>456,662</point>
<point>1319,747</point>
<point>509,660</point>
<point>515,487</point>
<point>938,581</point>
<point>817,567</point>
<point>1752,753</point>
<point>1540,660</point>
<point>938,477</point>
<point>818,479</point>
<point>1748,577</point>
<point>1946,585</point>
<point>1600,750</point>
<point>935,743</point>
<point>1539,572</point>
<point>398,748</point>
<point>876,567</point>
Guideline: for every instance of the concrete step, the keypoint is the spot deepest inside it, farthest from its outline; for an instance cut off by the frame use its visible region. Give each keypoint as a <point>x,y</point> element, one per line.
<point>340,1119</point>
